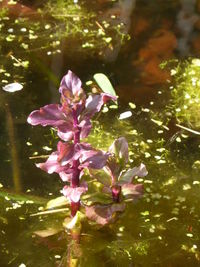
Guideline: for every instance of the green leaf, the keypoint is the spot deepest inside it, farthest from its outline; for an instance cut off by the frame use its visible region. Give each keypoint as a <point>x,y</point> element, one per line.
<point>48,232</point>
<point>98,197</point>
<point>22,197</point>
<point>104,83</point>
<point>132,191</point>
<point>57,202</point>
<point>120,148</point>
<point>47,212</point>
<point>104,214</point>
<point>75,222</point>
<point>128,176</point>
<point>101,176</point>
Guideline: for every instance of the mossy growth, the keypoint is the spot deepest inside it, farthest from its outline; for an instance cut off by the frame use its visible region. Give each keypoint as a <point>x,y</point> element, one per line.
<point>185,92</point>
<point>93,31</point>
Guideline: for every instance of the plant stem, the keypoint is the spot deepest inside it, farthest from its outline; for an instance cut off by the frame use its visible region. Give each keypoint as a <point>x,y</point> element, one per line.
<point>76,127</point>
<point>76,176</point>
<point>116,192</point>
<point>74,207</point>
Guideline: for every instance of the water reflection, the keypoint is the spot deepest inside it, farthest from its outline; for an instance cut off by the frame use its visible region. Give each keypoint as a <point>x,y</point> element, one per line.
<point>13,151</point>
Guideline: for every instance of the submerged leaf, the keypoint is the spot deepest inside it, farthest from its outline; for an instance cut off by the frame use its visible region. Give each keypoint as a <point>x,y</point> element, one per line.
<point>48,232</point>
<point>57,202</point>
<point>101,176</point>
<point>103,214</point>
<point>128,176</point>
<point>52,164</point>
<point>75,222</point>
<point>120,148</point>
<point>97,197</point>
<point>132,191</point>
<point>104,83</point>
<point>4,193</point>
<point>47,212</point>
<point>95,159</point>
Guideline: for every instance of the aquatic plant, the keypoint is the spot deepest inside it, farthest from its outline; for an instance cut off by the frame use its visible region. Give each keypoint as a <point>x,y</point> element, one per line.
<point>121,179</point>
<point>185,97</point>
<point>117,182</point>
<point>72,120</point>
<point>186,92</point>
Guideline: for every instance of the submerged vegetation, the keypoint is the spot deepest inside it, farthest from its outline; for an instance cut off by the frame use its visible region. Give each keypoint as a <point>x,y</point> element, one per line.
<point>56,28</point>
<point>94,30</point>
<point>62,23</point>
<point>185,91</point>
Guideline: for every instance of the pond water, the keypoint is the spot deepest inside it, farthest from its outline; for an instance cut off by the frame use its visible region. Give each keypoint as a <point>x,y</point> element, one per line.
<point>127,41</point>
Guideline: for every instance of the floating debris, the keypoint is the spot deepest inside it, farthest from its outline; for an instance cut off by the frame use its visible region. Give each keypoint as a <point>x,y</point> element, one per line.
<point>47,148</point>
<point>132,105</point>
<point>172,219</point>
<point>186,187</point>
<point>125,115</point>
<point>189,235</point>
<point>188,129</point>
<point>12,87</point>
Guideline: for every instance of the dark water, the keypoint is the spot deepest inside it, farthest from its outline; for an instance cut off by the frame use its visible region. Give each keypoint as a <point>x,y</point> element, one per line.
<point>39,43</point>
